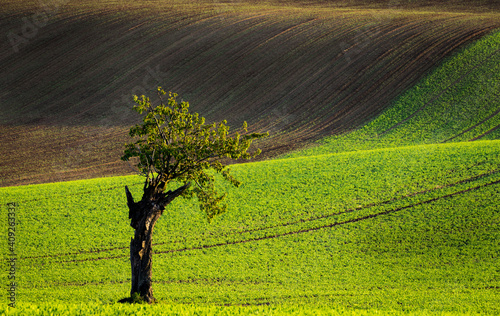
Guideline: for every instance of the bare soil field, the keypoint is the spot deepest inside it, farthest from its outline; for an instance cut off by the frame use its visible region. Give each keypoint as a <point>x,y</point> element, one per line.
<point>300,70</point>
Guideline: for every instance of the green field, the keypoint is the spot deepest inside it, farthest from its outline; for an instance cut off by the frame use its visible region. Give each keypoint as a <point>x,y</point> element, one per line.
<point>401,229</point>
<point>398,217</point>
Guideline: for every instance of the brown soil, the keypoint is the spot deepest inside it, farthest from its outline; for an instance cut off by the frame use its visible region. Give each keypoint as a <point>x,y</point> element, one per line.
<point>301,73</point>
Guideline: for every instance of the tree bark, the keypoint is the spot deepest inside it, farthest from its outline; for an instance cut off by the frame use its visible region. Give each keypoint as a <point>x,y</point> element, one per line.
<point>144,215</point>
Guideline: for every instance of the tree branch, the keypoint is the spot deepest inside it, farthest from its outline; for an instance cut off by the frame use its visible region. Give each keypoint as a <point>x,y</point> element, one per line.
<point>170,196</point>
<point>134,170</point>
<point>133,211</point>
<point>157,123</point>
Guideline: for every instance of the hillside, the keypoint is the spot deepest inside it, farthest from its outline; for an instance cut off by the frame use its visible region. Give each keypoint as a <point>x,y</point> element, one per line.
<point>458,101</point>
<point>301,70</point>
<point>409,229</point>
<point>382,195</point>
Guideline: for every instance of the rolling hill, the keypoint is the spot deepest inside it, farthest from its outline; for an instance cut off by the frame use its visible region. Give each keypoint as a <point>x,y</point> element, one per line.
<point>301,70</point>
<point>408,229</point>
<point>457,102</point>
<point>389,207</point>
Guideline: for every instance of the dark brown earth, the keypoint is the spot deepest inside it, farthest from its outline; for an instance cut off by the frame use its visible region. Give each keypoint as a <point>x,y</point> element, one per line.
<point>301,72</point>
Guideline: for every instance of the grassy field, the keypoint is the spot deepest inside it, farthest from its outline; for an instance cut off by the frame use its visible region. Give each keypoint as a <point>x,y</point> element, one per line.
<point>399,216</point>
<point>402,229</point>
<point>186,310</point>
<point>408,232</point>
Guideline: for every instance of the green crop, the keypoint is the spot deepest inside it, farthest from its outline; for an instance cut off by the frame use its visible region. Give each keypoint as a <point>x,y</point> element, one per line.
<point>399,217</point>
<point>191,309</point>
<point>409,228</point>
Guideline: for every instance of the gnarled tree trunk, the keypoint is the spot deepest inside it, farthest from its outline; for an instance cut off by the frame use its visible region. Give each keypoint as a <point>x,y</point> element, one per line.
<point>143,216</point>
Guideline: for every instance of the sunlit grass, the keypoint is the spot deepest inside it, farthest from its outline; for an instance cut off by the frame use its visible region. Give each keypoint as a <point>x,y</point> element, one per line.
<point>390,229</point>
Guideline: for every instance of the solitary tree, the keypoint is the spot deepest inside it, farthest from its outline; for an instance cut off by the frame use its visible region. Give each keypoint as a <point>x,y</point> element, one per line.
<point>173,145</point>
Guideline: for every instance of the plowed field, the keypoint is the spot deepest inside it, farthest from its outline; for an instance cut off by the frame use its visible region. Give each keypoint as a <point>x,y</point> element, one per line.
<point>300,72</point>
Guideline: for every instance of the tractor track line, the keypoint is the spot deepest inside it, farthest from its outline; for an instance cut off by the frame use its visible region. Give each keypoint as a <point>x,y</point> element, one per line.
<point>283,224</point>
<point>370,205</point>
<point>305,230</point>
<point>486,133</point>
<point>474,126</point>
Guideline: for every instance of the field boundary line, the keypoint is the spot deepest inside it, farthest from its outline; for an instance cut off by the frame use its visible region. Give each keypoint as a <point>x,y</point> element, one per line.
<point>79,193</point>
<point>438,95</point>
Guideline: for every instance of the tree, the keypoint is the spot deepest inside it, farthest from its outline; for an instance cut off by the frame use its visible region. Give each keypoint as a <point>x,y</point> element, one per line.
<point>175,146</point>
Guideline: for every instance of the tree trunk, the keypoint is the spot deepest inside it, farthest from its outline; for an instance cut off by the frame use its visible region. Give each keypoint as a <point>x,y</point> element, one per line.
<point>143,216</point>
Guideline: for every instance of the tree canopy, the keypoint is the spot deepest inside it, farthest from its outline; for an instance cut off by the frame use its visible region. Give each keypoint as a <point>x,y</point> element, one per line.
<point>174,145</point>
